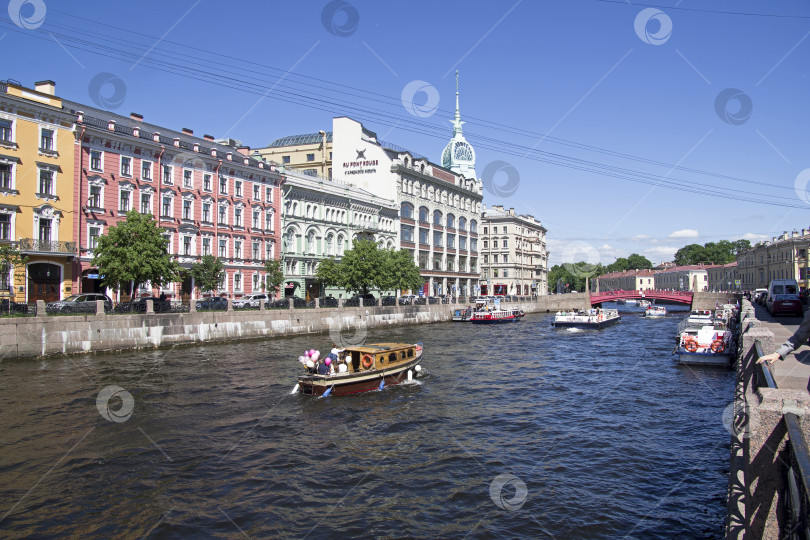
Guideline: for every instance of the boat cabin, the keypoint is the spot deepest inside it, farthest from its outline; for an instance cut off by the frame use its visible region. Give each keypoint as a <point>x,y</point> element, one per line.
<point>378,356</point>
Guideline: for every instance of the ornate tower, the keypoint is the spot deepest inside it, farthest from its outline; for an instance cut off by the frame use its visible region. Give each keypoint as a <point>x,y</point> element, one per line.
<point>458,155</point>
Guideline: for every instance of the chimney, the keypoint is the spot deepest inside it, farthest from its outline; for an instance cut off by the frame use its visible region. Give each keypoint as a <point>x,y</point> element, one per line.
<point>208,137</point>
<point>46,87</point>
<point>136,117</point>
<point>244,150</point>
<point>187,131</point>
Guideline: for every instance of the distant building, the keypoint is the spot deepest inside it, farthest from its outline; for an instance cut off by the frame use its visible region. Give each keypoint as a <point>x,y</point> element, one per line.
<point>784,257</point>
<point>310,153</point>
<point>723,277</point>
<point>37,191</point>
<point>514,258</point>
<point>323,218</point>
<point>683,278</point>
<point>627,280</point>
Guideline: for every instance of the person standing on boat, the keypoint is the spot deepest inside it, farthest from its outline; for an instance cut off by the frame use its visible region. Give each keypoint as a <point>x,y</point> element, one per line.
<point>795,341</point>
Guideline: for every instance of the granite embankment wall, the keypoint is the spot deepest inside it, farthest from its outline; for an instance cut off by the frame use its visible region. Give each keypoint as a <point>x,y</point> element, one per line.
<point>708,300</point>
<point>30,337</point>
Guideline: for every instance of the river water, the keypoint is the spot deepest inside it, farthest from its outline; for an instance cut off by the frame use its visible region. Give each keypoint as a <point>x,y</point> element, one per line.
<point>517,430</point>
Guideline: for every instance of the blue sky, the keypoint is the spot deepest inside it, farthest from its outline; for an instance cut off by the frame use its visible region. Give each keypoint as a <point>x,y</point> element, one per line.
<point>666,94</point>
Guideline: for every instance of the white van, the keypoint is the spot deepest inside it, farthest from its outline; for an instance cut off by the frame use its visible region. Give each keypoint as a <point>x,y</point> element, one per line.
<point>783,297</point>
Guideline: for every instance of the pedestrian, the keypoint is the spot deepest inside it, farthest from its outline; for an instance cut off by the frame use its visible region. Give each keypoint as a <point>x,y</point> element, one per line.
<point>793,342</point>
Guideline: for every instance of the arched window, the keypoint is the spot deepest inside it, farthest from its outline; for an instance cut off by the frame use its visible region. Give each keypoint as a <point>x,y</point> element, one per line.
<point>423,214</point>
<point>473,226</point>
<point>340,245</point>
<point>311,242</point>
<point>330,244</point>
<point>437,217</point>
<point>462,223</point>
<point>451,221</point>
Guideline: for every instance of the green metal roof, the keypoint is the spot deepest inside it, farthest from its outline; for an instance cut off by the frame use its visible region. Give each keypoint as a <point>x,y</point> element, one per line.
<point>295,140</point>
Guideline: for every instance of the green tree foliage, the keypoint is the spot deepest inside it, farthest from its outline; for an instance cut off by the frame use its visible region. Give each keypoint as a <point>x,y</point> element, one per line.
<point>134,251</point>
<point>10,258</point>
<point>275,276</point>
<point>722,252</point>
<point>638,262</point>
<point>208,273</point>
<point>365,267</point>
<point>570,277</point>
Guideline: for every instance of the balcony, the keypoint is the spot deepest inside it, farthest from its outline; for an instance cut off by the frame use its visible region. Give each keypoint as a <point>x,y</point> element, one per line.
<point>35,246</point>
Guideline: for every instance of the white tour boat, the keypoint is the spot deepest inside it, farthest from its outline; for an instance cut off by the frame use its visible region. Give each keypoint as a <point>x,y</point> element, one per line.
<point>591,318</point>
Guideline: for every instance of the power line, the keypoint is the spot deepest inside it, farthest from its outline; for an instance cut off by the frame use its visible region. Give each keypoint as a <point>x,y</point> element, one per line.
<point>712,11</point>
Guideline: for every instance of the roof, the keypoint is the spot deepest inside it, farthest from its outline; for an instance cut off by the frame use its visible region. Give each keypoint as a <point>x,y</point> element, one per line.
<point>627,273</point>
<point>295,140</point>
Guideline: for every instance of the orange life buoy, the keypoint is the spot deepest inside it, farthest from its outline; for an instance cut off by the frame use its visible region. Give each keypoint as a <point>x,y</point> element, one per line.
<point>368,361</point>
<point>690,344</point>
<point>718,346</point>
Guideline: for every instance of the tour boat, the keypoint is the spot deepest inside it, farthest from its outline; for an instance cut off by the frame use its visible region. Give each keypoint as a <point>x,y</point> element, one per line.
<point>494,316</point>
<point>656,311</point>
<point>698,318</point>
<point>365,368</point>
<point>462,314</point>
<point>709,345</point>
<point>643,304</point>
<point>591,318</point>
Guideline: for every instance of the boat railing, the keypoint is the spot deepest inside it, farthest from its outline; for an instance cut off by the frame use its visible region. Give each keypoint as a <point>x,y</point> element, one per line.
<point>798,473</point>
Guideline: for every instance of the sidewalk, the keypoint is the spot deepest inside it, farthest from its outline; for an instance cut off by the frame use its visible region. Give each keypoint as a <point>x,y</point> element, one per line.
<point>794,371</point>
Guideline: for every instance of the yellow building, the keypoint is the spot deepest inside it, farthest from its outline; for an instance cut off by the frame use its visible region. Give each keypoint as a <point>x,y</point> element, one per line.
<point>310,153</point>
<point>37,149</point>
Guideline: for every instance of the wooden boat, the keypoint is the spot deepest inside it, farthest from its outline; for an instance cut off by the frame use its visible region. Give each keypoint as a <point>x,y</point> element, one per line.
<point>369,367</point>
<point>591,318</point>
<point>494,316</point>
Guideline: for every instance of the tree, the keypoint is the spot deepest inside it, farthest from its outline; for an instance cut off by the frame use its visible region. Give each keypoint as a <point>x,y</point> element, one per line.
<point>274,276</point>
<point>208,273</point>
<point>399,271</point>
<point>691,254</point>
<point>638,262</point>
<point>361,267</point>
<point>328,273</point>
<point>10,259</point>
<point>134,251</point>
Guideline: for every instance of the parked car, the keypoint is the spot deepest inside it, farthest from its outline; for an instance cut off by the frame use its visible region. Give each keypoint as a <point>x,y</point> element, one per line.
<point>368,299</point>
<point>158,305</point>
<point>12,307</point>
<point>328,301</point>
<point>79,303</point>
<point>250,300</point>
<point>785,304</point>
<point>389,300</point>
<point>214,302</point>
<point>406,299</point>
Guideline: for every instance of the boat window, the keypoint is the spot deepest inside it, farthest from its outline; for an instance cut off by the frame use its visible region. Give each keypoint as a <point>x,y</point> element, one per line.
<point>392,357</point>
<point>410,353</point>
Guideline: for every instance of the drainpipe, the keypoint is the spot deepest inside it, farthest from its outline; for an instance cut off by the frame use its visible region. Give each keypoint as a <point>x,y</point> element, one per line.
<point>215,247</point>
<point>79,231</point>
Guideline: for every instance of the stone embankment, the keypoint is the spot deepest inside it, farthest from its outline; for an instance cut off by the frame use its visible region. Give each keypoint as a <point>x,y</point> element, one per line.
<point>29,337</point>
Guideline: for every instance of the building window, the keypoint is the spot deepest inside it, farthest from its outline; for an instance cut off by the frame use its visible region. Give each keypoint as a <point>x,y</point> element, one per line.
<point>206,182</point>
<point>406,234</point>
<point>186,209</point>
<point>256,192</point>
<point>269,221</point>
<point>5,176</point>
<point>237,217</point>
<point>5,227</point>
<point>126,166</point>
<point>167,206</point>
<point>237,281</point>
<point>285,159</point>
<point>223,185</point>
<point>494,243</point>
<point>223,248</point>
<point>310,157</point>
<point>95,160</point>
<point>206,212</point>
<point>206,246</point>
<point>451,240</point>
<point>46,182</point>
<point>330,244</point>
<point>269,195</point>
<point>255,251</point>
<point>310,172</point>
<point>423,214</point>
<point>146,170</point>
<point>437,239</point>
<point>473,244</point>
<point>5,130</point>
<point>451,221</point>
<point>146,203</point>
<point>44,230</point>
<point>188,179</point>
<point>223,216</point>
<point>505,242</point>
<point>92,235</point>
<point>406,210</point>
<point>473,226</point>
<point>95,197</point>
<point>237,187</point>
<point>462,242</point>
<point>46,140</point>
<point>187,245</point>
<point>125,201</point>
<point>423,236</point>
<point>437,217</point>
<point>167,174</point>
<point>256,219</point>
<point>237,249</point>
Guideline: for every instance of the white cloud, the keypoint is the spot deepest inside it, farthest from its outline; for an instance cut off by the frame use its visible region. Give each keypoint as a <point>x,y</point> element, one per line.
<point>754,237</point>
<point>685,233</point>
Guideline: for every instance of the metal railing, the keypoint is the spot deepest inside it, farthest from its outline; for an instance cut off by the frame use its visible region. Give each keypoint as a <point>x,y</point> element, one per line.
<point>34,244</point>
<point>798,474</point>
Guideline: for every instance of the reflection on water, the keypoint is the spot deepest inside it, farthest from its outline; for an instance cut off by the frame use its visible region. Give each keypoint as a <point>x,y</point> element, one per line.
<point>512,430</point>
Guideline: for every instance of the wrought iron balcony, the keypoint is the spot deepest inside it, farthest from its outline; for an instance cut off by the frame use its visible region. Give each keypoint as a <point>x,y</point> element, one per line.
<point>34,245</point>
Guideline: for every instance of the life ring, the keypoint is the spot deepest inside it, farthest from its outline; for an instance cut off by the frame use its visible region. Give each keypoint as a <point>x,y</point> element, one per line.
<point>690,344</point>
<point>718,346</point>
<point>368,361</point>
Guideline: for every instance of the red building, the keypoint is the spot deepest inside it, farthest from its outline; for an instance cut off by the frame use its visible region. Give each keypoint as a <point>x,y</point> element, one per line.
<point>210,198</point>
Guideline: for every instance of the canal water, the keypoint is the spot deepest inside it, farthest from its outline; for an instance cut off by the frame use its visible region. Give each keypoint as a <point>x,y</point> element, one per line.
<point>517,430</point>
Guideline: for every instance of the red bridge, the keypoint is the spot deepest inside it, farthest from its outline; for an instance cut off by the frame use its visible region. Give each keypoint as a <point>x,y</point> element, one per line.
<point>683,297</point>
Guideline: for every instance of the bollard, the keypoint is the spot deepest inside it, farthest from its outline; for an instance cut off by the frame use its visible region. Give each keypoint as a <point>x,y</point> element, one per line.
<point>99,307</point>
<point>41,312</point>
<point>230,305</point>
<point>150,306</point>
<point>192,306</point>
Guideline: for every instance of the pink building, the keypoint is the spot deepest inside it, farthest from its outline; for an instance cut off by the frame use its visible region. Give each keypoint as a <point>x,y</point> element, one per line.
<point>210,198</point>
